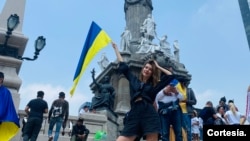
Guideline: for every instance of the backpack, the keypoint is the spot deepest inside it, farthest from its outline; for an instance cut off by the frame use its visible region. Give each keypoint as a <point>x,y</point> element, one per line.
<point>57,109</point>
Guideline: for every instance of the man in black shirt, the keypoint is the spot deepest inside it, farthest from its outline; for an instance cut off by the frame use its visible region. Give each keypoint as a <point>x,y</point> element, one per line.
<point>79,132</point>
<point>208,114</point>
<point>35,110</point>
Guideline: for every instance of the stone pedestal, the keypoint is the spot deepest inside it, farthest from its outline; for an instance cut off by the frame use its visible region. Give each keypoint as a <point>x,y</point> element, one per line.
<point>111,124</point>
<point>11,80</point>
<point>100,121</point>
<point>10,66</point>
<point>103,120</point>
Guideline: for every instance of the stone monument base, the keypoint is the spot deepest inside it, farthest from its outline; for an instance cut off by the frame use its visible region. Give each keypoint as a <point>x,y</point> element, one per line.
<point>102,120</point>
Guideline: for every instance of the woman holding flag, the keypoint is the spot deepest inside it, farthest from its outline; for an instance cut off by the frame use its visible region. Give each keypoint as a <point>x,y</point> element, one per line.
<point>142,119</point>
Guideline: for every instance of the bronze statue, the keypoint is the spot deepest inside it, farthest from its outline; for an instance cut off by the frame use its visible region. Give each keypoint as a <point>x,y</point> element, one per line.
<point>106,94</point>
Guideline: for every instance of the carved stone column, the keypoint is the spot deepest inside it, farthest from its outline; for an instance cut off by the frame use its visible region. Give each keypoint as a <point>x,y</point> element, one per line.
<point>10,66</point>
<point>136,12</point>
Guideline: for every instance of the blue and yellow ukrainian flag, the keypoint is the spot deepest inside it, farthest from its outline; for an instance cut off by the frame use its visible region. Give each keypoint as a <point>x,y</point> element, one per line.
<point>9,121</point>
<point>96,40</point>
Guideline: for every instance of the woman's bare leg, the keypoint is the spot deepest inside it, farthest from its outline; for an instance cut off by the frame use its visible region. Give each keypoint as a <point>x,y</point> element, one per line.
<point>152,137</point>
<point>124,138</point>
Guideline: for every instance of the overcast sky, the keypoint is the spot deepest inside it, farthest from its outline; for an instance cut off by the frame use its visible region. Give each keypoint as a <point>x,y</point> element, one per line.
<point>213,46</point>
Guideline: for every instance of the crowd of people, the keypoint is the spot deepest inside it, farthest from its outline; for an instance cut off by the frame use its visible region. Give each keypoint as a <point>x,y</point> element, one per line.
<point>222,114</point>
<point>173,105</point>
<point>57,118</point>
<point>160,104</point>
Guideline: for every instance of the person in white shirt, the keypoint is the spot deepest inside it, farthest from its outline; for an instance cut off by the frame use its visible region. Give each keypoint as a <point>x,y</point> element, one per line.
<point>84,110</point>
<point>200,128</point>
<point>167,104</point>
<point>234,117</point>
<point>195,126</point>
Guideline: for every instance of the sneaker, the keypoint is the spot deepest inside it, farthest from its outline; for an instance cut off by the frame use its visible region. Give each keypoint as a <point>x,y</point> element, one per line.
<point>50,138</point>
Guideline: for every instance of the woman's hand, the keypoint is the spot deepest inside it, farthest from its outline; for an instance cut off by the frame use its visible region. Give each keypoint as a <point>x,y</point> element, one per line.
<point>114,45</point>
<point>162,69</point>
<point>118,55</point>
<point>174,90</point>
<point>156,64</point>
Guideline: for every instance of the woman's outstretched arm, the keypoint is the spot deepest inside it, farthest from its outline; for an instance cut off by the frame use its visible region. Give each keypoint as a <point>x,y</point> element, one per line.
<point>117,52</point>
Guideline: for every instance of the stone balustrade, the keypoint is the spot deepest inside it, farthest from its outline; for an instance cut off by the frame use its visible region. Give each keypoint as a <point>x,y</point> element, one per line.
<point>100,121</point>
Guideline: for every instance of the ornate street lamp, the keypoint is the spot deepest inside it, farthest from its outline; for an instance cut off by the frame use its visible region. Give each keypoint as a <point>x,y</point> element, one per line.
<point>12,23</point>
<point>39,45</point>
<point>6,50</point>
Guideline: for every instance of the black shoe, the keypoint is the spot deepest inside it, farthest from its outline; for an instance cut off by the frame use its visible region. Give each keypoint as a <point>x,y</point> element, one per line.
<point>50,138</point>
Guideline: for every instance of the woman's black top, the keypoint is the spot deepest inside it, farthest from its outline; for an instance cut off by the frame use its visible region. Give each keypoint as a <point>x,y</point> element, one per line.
<point>140,89</point>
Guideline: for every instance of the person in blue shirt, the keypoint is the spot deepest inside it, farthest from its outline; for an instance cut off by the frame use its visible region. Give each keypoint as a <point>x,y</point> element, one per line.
<point>167,102</point>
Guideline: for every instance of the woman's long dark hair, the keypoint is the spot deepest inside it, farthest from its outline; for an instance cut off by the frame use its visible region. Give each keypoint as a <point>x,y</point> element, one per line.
<point>155,77</point>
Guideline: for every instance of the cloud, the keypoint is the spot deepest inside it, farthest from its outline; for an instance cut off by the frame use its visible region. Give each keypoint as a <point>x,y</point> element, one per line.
<point>213,12</point>
<point>207,95</point>
<point>29,92</point>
